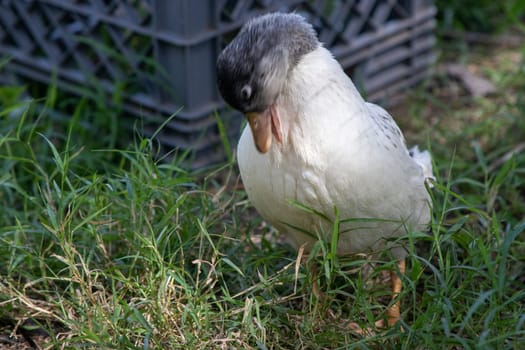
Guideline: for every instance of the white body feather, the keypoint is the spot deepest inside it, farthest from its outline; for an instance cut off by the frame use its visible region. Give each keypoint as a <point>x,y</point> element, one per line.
<point>337,151</point>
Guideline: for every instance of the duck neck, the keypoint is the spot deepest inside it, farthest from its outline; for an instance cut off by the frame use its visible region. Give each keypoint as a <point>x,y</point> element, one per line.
<point>317,98</point>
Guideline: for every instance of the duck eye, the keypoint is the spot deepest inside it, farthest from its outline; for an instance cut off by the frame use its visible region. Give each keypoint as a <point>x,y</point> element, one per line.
<point>246,92</point>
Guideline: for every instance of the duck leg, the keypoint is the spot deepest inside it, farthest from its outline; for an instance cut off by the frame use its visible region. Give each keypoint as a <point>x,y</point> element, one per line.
<point>393,312</point>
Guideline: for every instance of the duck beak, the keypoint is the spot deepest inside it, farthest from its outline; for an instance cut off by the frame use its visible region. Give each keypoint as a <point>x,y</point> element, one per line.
<point>263,125</point>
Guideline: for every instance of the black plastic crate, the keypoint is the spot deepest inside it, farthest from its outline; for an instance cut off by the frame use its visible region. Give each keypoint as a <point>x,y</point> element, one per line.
<point>164,52</point>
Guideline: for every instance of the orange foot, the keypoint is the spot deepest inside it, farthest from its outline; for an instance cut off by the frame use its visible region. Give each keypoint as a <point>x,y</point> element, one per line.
<point>393,312</point>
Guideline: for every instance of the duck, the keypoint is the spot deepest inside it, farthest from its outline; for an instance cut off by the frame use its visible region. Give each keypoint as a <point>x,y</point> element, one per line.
<point>312,139</point>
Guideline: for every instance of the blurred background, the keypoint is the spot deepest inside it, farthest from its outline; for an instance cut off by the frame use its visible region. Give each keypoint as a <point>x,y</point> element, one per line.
<point>152,62</point>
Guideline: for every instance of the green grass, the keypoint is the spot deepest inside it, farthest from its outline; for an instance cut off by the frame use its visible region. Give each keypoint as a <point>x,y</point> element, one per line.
<point>480,15</point>
<point>106,247</point>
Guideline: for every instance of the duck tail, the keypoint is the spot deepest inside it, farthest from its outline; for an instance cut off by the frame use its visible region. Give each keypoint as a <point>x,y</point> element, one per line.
<point>424,160</point>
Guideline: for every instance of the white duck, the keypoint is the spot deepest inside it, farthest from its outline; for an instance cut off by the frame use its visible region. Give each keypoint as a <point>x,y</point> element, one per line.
<point>314,140</point>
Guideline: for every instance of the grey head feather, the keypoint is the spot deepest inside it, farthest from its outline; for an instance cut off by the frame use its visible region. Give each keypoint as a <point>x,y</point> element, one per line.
<point>252,69</point>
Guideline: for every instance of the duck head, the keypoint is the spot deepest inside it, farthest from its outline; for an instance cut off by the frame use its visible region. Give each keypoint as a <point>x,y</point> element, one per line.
<point>253,68</point>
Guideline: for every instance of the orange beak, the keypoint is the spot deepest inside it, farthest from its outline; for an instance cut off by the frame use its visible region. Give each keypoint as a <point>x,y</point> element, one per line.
<point>263,126</point>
